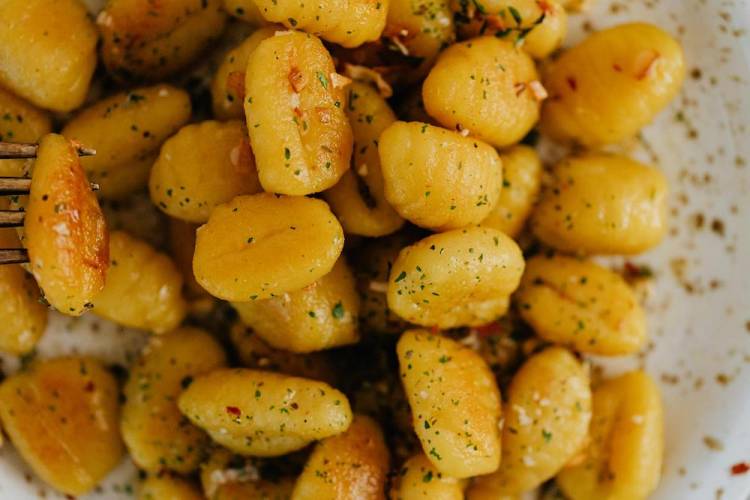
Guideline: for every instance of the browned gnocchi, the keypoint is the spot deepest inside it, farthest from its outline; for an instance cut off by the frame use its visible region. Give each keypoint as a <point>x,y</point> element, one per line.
<point>419,479</point>
<point>20,121</point>
<point>164,486</point>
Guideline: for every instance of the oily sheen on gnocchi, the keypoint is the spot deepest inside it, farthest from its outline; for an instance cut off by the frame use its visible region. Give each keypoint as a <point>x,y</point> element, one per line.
<point>350,268</point>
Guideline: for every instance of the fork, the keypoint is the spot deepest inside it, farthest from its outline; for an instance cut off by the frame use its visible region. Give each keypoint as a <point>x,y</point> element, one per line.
<point>10,186</point>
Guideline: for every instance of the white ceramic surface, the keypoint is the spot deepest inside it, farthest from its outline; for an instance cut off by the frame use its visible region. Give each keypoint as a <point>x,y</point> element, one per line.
<point>699,301</point>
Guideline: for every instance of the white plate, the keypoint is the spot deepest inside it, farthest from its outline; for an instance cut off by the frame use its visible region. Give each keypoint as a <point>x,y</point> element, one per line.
<point>699,305</point>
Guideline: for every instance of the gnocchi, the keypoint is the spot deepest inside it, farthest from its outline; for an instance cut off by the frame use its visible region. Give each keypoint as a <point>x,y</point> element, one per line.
<point>224,477</point>
<point>294,106</point>
<point>20,122</point>
<point>168,487</point>
<point>64,229</point>
<point>246,10</point>
<point>286,243</point>
<point>462,277</point>
<point>601,204</point>
<point>419,479</point>
<point>455,403</point>
<point>264,414</point>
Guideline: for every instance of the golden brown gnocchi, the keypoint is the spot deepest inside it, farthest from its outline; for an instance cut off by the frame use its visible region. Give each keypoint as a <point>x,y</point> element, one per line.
<point>61,415</point>
<point>64,229</point>
<point>358,199</point>
<point>149,280</point>
<point>436,178</point>
<point>20,122</point>
<point>246,10</point>
<point>364,21</point>
<point>462,277</point>
<point>142,39</point>
<point>546,421</point>
<point>601,204</point>
<point>486,86</point>
<point>47,51</point>
<point>455,403</point>
<point>202,166</point>
<point>624,457</point>
<point>319,316</point>
<point>157,435</point>
<point>22,315</point>
<point>165,486</point>
<point>608,87</point>
<point>353,464</point>
<point>282,244</point>
<point>419,29</point>
<point>294,104</point>
<point>228,85</point>
<point>126,130</point>
<point>581,305</point>
<point>522,181</point>
<point>419,479</point>
<point>264,414</point>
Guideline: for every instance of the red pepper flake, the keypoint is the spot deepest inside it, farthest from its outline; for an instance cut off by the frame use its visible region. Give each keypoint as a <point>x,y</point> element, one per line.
<point>634,271</point>
<point>572,83</point>
<point>435,329</point>
<point>236,83</point>
<point>740,468</point>
<point>89,387</point>
<point>234,411</point>
<point>545,6</point>
<point>488,330</point>
<point>617,67</point>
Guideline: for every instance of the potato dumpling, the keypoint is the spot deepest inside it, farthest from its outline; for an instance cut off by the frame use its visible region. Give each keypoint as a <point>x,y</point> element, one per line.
<point>462,277</point>
<point>347,466</point>
<point>364,21</point>
<point>126,130</point>
<point>608,87</point>
<point>20,122</point>
<point>436,178</point>
<point>601,204</point>
<point>225,476</point>
<point>202,166</point>
<point>143,289</point>
<point>228,85</point>
<point>64,229</point>
<point>358,199</point>
<point>61,416</point>
<point>22,315</point>
<point>265,414</point>
<point>157,435</point>
<point>165,486</point>
<point>47,51</point>
<point>455,403</point>
<point>294,104</point>
<point>317,16</point>
<point>246,10</point>
<point>538,27</point>
<point>143,39</point>
<point>624,457</point>
<point>418,479</point>
<point>522,181</point>
<point>546,420</point>
<point>182,250</point>
<point>487,86</point>
<point>262,246</point>
<point>419,28</point>
<point>581,305</point>
<point>319,316</point>
<point>254,352</point>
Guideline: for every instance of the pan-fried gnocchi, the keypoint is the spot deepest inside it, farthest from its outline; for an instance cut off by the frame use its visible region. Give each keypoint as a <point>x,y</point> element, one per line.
<point>156,434</point>
<point>455,403</point>
<point>164,486</point>
<point>152,40</point>
<point>451,181</point>
<point>126,130</point>
<point>600,204</point>
<point>418,479</point>
<point>546,420</point>
<point>616,81</point>
<point>61,415</point>
<point>285,243</point>
<point>350,465</point>
<point>225,476</point>
<point>246,10</point>
<point>150,281</point>
<point>22,315</point>
<point>202,166</point>
<point>462,277</point>
<point>228,85</point>
<point>358,199</point>
<point>20,121</point>
<point>319,316</point>
<point>294,105</point>
<point>264,414</point>
<point>522,181</point>
<point>47,51</point>
<point>64,229</point>
<point>625,452</point>
<point>419,29</point>
<point>582,305</point>
<point>486,86</point>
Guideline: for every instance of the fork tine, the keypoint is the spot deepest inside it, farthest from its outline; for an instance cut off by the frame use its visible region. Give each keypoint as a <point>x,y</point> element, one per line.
<point>13,256</point>
<point>11,218</point>
<point>22,185</point>
<point>20,150</point>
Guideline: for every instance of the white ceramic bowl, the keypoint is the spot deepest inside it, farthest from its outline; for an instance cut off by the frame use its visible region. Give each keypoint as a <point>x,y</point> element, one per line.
<point>699,302</point>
